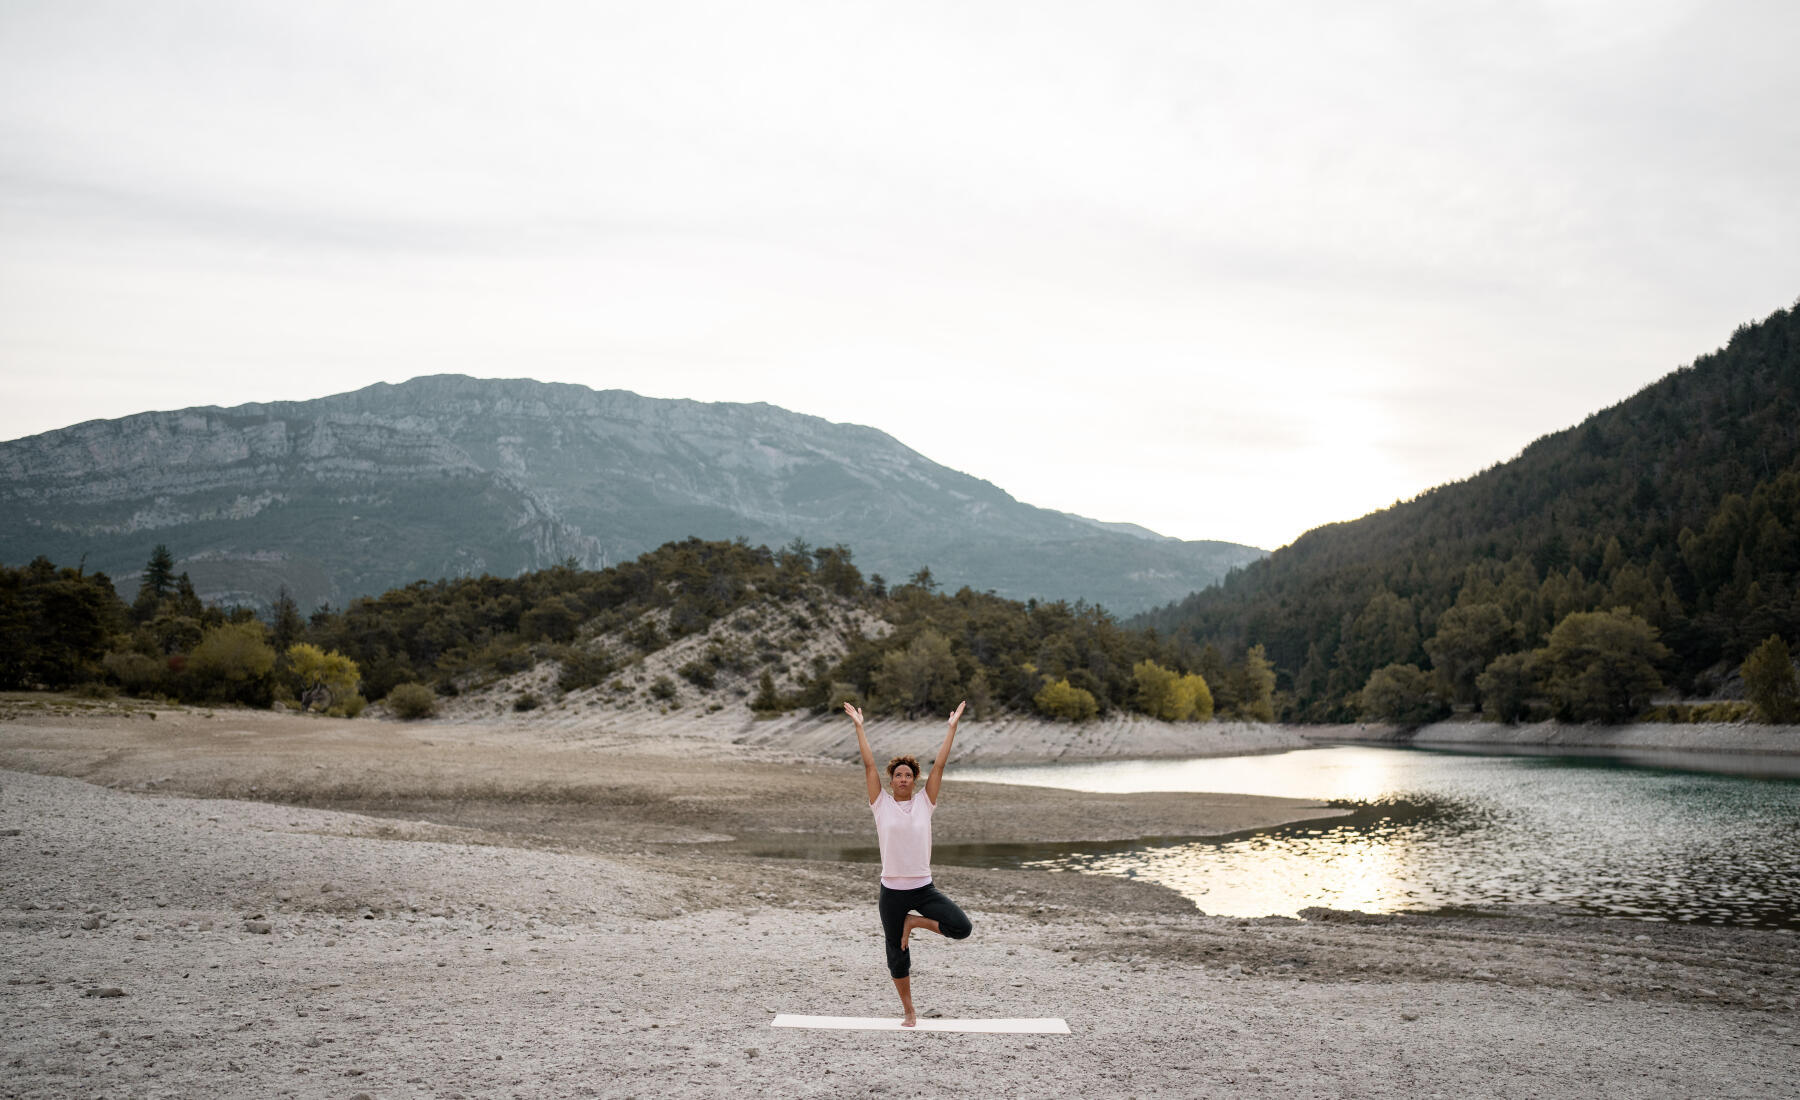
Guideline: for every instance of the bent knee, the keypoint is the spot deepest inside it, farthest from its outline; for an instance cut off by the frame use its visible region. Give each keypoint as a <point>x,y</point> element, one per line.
<point>957,930</point>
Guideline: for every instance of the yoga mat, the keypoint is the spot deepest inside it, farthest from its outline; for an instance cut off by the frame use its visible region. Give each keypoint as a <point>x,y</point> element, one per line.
<point>1053,1025</point>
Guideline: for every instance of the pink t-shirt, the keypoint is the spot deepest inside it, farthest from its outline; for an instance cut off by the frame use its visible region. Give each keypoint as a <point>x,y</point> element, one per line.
<point>904,829</point>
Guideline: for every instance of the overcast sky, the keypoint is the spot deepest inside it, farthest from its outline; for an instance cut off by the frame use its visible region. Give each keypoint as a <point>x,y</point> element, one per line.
<point>1225,270</point>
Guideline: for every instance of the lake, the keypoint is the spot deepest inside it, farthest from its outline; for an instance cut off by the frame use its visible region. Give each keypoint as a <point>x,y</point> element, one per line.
<point>1641,837</point>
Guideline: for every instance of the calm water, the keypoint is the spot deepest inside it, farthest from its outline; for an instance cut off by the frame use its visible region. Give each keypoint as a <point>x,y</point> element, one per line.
<point>1442,830</point>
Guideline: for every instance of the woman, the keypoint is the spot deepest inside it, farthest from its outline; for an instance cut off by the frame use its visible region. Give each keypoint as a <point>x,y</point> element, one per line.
<point>903,823</point>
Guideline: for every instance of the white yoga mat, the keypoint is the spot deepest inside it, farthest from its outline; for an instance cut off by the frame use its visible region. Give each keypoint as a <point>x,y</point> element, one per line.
<point>1053,1025</point>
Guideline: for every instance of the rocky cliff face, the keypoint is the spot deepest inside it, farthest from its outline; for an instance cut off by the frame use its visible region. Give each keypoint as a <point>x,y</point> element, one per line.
<point>447,475</point>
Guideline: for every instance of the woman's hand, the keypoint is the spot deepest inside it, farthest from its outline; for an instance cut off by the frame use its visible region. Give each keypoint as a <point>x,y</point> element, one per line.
<point>855,714</point>
<point>957,714</point>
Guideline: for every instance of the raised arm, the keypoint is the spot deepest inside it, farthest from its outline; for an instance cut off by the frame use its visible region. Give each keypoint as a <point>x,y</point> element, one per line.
<point>870,775</point>
<point>943,757</point>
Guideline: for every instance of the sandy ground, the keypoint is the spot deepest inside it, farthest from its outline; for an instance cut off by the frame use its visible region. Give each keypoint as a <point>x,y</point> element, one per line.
<point>301,907</point>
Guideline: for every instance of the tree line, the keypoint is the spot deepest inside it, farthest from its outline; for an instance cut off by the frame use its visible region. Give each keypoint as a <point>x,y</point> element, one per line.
<point>64,628</point>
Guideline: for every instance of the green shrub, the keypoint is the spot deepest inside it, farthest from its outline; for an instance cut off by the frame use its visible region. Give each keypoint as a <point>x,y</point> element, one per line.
<point>1168,695</point>
<point>1403,694</point>
<point>837,693</point>
<point>662,688</point>
<point>527,701</point>
<point>698,673</point>
<point>412,701</point>
<point>1507,686</point>
<point>1601,665</point>
<point>308,664</point>
<point>94,690</point>
<point>647,636</point>
<point>1770,682</point>
<point>233,661</point>
<point>1061,699</point>
<point>584,668</point>
<point>135,672</point>
<point>349,707</point>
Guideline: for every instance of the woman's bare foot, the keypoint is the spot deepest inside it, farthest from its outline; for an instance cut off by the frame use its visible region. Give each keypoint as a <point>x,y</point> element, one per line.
<point>910,1021</point>
<point>913,920</point>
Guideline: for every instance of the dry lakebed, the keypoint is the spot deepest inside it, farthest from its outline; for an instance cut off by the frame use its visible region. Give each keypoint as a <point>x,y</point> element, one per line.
<point>238,903</point>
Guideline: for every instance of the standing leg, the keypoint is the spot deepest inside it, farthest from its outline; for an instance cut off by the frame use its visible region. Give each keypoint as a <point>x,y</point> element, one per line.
<point>894,915</point>
<point>904,986</point>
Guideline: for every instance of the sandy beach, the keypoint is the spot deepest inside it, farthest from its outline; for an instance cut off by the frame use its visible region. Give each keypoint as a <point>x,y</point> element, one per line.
<point>293,906</point>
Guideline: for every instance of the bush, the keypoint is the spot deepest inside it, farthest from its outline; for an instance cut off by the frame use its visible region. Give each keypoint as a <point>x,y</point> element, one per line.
<point>94,690</point>
<point>1507,686</point>
<point>921,677</point>
<point>698,673</point>
<point>768,700</point>
<point>1403,694</point>
<point>1156,690</point>
<point>584,668</point>
<point>646,636</point>
<point>134,671</point>
<point>1770,683</point>
<point>1165,694</point>
<point>350,707</point>
<point>662,688</point>
<point>308,664</point>
<point>1687,713</point>
<point>552,620</point>
<point>1191,693</point>
<point>527,701</point>
<point>1063,700</point>
<point>1601,665</point>
<point>232,660</point>
<point>412,701</point>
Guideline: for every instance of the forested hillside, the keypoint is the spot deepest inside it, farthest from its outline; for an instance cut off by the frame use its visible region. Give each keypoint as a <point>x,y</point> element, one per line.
<point>712,624</point>
<point>1680,505</point>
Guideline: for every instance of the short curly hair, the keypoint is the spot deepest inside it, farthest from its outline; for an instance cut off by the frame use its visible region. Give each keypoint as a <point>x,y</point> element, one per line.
<point>909,761</point>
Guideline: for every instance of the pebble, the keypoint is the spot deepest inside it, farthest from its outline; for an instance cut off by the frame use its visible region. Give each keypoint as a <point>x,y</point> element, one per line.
<point>104,991</point>
<point>91,921</point>
<point>259,927</point>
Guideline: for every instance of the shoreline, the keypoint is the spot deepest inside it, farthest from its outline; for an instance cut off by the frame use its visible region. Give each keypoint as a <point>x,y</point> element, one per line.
<point>1709,737</point>
<point>1003,740</point>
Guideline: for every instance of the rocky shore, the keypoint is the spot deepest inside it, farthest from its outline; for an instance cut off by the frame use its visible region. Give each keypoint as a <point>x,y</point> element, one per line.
<point>238,903</point>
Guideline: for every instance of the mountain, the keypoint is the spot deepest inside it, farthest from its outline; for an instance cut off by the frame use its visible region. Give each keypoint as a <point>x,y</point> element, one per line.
<point>1681,503</point>
<point>453,476</point>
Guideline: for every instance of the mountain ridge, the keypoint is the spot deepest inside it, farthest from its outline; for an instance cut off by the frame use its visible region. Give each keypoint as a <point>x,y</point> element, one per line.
<point>416,479</point>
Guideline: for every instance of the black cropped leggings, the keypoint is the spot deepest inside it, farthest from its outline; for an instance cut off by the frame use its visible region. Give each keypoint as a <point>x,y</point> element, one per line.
<point>928,901</point>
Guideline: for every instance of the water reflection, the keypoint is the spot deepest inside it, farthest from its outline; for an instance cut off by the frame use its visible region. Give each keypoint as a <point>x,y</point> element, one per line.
<point>1439,830</point>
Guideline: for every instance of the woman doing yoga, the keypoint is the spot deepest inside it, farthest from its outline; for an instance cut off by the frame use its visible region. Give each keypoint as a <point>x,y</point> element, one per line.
<point>903,823</point>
